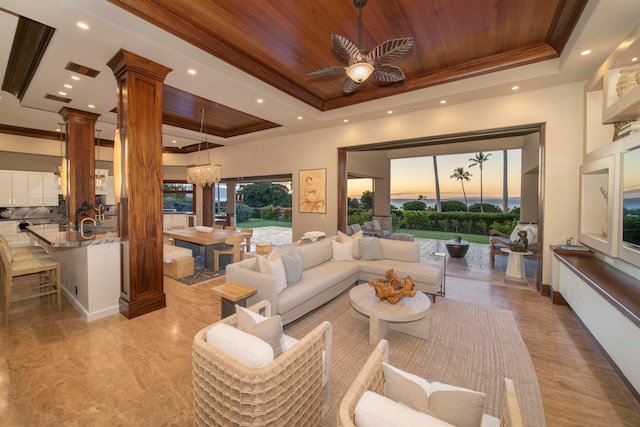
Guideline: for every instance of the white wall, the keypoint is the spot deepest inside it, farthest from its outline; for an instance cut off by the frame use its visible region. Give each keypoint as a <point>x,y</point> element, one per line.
<point>560,107</point>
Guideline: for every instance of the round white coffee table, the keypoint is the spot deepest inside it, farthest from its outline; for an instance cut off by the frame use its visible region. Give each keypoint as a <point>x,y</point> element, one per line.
<point>410,315</point>
<point>515,263</point>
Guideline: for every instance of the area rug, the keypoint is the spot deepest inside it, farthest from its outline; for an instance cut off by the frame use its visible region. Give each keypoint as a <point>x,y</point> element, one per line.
<point>201,277</point>
<point>471,346</point>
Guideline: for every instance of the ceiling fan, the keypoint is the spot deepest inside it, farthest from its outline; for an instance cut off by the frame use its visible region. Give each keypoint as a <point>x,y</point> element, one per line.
<point>361,63</point>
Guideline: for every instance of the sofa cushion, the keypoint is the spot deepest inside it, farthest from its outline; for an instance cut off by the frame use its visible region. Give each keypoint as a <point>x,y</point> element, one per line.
<point>272,268</point>
<point>342,251</point>
<point>268,329</point>
<point>315,281</point>
<point>420,272</point>
<point>354,237</point>
<point>370,249</point>
<point>315,253</point>
<point>400,250</point>
<point>241,346</point>
<point>292,266</point>
<point>374,410</point>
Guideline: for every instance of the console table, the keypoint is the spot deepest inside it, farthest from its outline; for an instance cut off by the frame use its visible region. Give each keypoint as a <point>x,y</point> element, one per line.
<point>607,301</point>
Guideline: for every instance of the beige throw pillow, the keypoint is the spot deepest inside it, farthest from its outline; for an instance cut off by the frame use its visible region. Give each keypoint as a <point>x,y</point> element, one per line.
<point>268,329</point>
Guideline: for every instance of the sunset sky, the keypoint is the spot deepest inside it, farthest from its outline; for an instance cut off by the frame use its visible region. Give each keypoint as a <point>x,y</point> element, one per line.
<point>415,176</point>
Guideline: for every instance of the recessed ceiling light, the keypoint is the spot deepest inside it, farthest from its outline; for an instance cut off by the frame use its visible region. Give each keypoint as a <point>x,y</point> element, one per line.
<point>260,101</point>
<point>515,87</point>
<point>444,101</point>
<point>299,117</point>
<point>585,52</point>
<point>192,71</point>
<point>91,106</point>
<point>62,93</point>
<point>68,86</point>
<point>346,120</point>
<point>75,78</point>
<point>173,142</point>
<point>58,130</point>
<point>82,25</point>
<point>634,59</point>
<point>390,112</point>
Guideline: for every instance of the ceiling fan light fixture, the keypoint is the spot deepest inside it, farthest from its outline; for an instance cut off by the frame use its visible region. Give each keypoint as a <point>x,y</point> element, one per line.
<point>360,71</point>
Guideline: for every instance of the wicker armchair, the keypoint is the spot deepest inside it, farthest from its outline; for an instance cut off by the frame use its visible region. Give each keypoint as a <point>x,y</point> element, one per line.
<point>294,389</point>
<point>371,378</point>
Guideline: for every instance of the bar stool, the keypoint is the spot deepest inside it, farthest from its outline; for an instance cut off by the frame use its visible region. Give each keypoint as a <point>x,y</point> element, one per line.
<point>36,277</point>
<point>234,249</point>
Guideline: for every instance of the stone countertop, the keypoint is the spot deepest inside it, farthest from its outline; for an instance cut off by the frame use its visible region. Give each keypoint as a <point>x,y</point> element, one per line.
<point>73,239</point>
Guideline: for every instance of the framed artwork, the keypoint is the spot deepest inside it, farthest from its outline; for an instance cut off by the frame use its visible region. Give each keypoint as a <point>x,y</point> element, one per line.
<point>313,186</point>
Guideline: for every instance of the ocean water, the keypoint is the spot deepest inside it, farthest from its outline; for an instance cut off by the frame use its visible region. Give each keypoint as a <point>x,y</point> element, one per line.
<point>514,202</point>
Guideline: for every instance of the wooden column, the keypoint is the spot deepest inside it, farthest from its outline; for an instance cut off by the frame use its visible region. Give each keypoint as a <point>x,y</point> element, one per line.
<point>140,207</point>
<point>207,206</point>
<point>80,132</point>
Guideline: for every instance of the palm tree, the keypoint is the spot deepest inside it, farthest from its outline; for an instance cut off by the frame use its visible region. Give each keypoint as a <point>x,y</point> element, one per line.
<point>462,175</point>
<point>479,159</point>
<point>505,183</point>
<point>435,173</point>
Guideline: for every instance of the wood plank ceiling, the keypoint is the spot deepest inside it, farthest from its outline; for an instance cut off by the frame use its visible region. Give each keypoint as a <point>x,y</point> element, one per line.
<point>280,41</point>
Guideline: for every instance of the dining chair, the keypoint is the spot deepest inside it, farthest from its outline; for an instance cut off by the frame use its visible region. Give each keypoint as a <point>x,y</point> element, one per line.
<point>233,248</point>
<point>246,245</point>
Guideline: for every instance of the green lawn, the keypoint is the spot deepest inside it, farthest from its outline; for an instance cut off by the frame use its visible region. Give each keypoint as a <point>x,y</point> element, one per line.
<point>446,235</point>
<point>439,235</point>
<point>257,222</point>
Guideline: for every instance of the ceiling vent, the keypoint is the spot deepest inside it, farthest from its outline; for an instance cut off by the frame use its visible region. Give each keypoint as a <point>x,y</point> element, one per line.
<point>81,69</point>
<point>58,98</point>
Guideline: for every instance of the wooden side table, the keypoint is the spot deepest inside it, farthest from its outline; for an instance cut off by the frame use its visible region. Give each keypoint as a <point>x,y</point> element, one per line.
<point>232,293</point>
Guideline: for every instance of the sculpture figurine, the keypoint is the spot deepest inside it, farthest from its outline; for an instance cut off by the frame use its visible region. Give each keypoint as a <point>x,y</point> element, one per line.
<point>393,288</point>
<point>522,244</point>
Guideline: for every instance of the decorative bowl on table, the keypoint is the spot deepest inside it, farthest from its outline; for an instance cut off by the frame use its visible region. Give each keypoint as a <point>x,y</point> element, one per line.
<point>203,229</point>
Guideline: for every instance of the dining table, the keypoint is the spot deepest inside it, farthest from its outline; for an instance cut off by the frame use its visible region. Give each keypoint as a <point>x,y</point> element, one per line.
<point>195,240</point>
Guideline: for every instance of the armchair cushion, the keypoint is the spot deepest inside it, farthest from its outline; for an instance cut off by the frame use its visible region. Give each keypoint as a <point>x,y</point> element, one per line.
<point>531,229</point>
<point>247,349</point>
<point>374,410</point>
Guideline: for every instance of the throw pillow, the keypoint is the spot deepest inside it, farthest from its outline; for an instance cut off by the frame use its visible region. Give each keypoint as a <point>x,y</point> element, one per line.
<point>405,388</point>
<point>342,251</point>
<point>456,405</point>
<point>356,228</point>
<point>376,225</point>
<point>268,329</point>
<point>292,262</point>
<point>273,268</point>
<point>356,247</point>
<point>370,249</point>
<point>241,346</point>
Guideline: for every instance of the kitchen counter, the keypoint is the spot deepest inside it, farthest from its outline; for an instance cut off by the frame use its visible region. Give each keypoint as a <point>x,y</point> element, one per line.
<point>73,239</point>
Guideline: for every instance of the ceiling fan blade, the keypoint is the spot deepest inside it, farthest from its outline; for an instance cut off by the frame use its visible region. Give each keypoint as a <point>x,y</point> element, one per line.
<point>329,71</point>
<point>345,49</point>
<point>349,85</point>
<point>390,50</point>
<point>388,73</point>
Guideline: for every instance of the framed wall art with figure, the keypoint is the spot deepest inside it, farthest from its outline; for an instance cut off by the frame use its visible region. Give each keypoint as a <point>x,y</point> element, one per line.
<point>313,183</point>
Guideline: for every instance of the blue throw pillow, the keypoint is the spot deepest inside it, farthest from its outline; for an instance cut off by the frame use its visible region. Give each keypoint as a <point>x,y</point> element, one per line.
<point>292,266</point>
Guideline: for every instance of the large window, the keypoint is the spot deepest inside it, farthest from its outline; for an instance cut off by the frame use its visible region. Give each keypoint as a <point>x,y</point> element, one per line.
<point>178,197</point>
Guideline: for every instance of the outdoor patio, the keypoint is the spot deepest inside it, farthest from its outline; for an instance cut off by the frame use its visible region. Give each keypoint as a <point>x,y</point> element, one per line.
<point>475,265</point>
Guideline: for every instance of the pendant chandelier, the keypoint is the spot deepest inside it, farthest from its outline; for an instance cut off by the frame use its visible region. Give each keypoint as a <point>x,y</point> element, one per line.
<point>203,174</point>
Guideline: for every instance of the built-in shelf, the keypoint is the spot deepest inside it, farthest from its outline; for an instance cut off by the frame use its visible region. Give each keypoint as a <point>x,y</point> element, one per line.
<point>598,222</point>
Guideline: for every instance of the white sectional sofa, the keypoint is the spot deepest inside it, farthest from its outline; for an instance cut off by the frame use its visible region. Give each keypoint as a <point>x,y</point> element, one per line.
<point>327,272</point>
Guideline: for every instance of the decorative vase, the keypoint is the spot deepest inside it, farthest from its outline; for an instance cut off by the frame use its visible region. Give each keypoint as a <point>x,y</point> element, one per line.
<point>605,226</point>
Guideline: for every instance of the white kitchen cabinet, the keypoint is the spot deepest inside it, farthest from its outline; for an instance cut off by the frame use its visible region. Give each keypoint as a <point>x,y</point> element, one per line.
<point>20,189</point>
<point>50,190</point>
<point>6,190</point>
